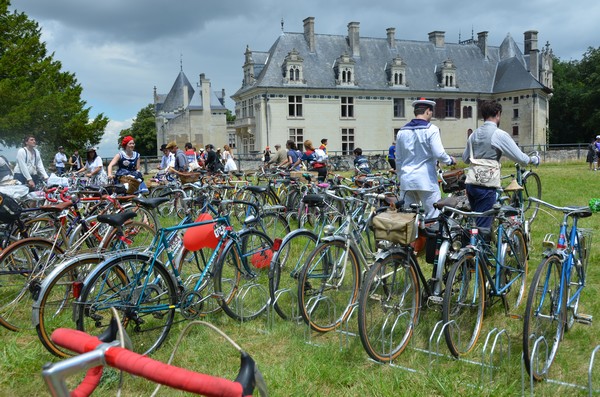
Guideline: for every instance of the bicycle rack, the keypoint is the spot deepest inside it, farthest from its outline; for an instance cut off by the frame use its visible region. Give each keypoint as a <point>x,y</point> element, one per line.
<point>536,347</point>
<point>391,339</point>
<point>497,338</point>
<point>314,301</point>
<point>243,293</point>
<point>344,329</point>
<point>293,305</point>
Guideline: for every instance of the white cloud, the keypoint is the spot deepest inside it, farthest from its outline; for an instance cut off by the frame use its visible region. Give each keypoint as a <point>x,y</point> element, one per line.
<point>109,145</point>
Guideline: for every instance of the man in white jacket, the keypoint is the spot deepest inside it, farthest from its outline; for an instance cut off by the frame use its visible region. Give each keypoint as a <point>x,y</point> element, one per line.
<point>29,169</point>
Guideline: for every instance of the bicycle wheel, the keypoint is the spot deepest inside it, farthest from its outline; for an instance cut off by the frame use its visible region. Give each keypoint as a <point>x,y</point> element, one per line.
<point>545,316</point>
<point>328,285</point>
<point>145,297</point>
<point>139,236</point>
<point>274,224</point>
<point>54,307</point>
<point>532,187</point>
<point>242,277</point>
<point>464,300</point>
<point>285,268</point>
<point>23,266</point>
<point>192,268</point>
<point>388,306</point>
<point>514,270</point>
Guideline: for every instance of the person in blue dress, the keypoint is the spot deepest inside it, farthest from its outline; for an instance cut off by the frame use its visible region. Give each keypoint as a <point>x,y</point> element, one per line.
<point>128,162</point>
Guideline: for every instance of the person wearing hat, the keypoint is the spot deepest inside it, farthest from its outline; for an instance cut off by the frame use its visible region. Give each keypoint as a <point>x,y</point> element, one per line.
<point>213,162</point>
<point>490,142</point>
<point>418,149</point>
<point>280,158</point>
<point>93,168</point>
<point>60,159</point>
<point>180,163</point>
<point>167,160</point>
<point>128,162</point>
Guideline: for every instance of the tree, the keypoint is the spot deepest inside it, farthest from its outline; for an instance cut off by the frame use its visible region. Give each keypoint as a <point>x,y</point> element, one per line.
<point>36,97</point>
<point>143,130</point>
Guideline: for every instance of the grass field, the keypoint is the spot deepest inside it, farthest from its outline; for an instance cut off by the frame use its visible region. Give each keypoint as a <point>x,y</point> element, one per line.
<point>335,364</point>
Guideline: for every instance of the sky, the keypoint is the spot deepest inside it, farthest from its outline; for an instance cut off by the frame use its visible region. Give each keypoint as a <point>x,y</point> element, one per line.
<point>120,50</point>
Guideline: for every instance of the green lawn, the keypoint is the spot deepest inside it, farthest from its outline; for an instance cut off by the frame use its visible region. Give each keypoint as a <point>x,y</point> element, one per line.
<point>335,364</point>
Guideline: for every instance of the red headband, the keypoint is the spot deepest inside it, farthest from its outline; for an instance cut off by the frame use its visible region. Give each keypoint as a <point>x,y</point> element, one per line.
<point>126,140</point>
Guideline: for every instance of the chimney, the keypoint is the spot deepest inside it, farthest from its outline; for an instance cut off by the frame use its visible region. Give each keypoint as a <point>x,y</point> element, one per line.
<point>531,48</point>
<point>482,43</point>
<point>353,38</point>
<point>205,92</point>
<point>391,37</point>
<point>309,33</point>
<point>437,38</point>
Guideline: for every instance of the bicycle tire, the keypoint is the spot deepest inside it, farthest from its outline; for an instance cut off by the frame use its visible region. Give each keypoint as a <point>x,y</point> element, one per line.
<point>21,276</point>
<point>145,301</point>
<point>328,283</point>
<point>191,265</point>
<point>515,266</point>
<point>285,269</point>
<point>388,306</point>
<point>59,291</point>
<point>532,187</point>
<point>541,318</point>
<point>464,301</point>
<point>242,275</point>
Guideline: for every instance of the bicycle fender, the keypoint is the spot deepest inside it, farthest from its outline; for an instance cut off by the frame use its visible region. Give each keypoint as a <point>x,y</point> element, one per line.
<point>35,318</point>
<point>388,252</point>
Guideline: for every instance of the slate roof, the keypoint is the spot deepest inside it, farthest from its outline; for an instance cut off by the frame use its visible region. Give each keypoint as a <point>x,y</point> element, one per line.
<point>173,101</point>
<point>502,70</point>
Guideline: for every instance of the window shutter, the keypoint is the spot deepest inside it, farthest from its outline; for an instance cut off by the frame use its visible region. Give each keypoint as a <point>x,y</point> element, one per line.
<point>440,108</point>
<point>457,108</point>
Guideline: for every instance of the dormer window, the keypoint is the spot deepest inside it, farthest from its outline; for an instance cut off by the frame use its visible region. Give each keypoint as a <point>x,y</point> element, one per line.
<point>447,75</point>
<point>344,71</point>
<point>396,73</point>
<point>292,68</point>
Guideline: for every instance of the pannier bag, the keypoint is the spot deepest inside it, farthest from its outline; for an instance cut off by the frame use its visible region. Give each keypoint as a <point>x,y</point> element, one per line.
<point>455,180</point>
<point>10,210</point>
<point>397,227</point>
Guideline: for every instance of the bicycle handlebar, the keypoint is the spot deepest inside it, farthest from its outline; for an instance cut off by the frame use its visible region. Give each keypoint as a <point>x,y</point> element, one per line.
<point>155,371</point>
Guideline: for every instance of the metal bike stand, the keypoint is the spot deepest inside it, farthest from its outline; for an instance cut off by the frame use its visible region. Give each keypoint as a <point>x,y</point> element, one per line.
<point>498,334</point>
<point>534,353</point>
<point>391,339</point>
<point>331,308</point>
<point>293,305</point>
<point>437,353</point>
<point>344,330</point>
<point>590,386</point>
<point>242,294</point>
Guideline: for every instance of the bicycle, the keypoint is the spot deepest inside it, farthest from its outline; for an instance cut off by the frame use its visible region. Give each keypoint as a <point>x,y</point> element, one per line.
<point>147,292</point>
<point>529,184</point>
<point>329,281</point>
<point>395,289</point>
<point>471,284</point>
<point>94,353</point>
<point>339,163</point>
<point>555,292</point>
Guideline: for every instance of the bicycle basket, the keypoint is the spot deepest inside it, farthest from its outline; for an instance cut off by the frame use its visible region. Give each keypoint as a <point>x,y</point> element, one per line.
<point>131,183</point>
<point>189,177</point>
<point>397,227</point>
<point>10,210</point>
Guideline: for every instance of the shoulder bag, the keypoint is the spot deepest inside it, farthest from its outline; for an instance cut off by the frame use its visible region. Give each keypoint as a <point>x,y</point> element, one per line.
<point>483,172</point>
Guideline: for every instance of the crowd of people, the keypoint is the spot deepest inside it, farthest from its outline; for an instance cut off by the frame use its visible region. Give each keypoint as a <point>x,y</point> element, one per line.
<point>414,157</point>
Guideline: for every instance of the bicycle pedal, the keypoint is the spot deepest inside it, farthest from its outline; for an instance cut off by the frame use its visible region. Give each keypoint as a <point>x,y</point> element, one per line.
<point>438,300</point>
<point>584,318</point>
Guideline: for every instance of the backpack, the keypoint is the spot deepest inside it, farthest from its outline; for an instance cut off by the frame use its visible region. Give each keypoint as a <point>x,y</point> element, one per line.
<point>10,210</point>
<point>321,156</point>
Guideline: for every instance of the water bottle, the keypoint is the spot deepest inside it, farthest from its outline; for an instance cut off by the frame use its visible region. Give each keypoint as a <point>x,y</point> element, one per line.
<point>595,204</point>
